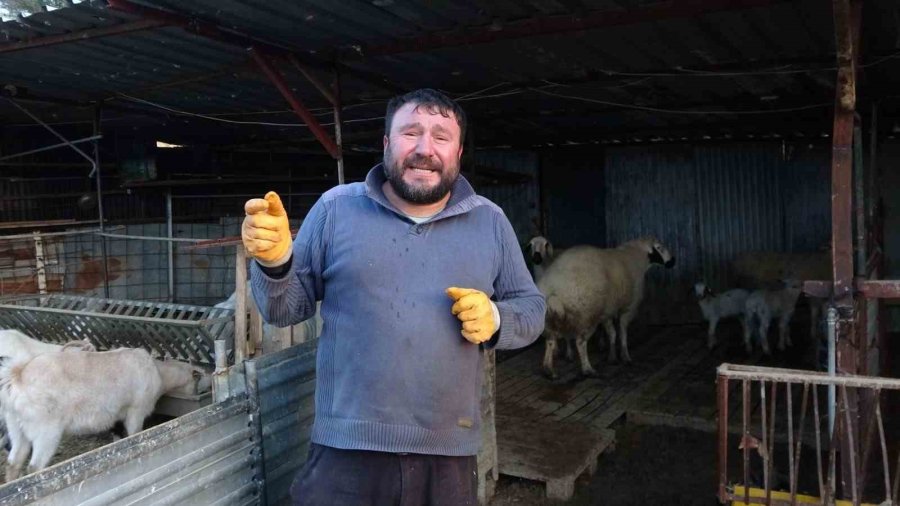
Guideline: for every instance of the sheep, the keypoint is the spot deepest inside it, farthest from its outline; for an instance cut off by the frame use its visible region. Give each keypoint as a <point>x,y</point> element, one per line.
<point>586,286</point>
<point>763,305</point>
<point>715,307</point>
<point>539,252</point>
<point>765,269</point>
<point>16,345</point>
<point>81,393</point>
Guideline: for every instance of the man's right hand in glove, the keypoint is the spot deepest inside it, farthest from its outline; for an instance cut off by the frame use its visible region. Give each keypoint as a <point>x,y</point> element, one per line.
<point>266,232</point>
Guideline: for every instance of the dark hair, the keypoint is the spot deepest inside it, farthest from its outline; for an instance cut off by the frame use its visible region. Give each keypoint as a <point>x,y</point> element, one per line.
<point>433,101</point>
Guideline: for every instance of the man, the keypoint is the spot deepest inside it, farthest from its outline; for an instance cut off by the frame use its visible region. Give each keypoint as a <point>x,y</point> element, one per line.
<point>399,369</point>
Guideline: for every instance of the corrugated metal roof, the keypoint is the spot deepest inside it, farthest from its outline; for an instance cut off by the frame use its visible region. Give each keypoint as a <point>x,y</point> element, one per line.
<point>571,87</point>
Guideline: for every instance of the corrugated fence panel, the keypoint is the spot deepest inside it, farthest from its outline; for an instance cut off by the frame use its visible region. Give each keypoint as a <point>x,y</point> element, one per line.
<point>204,457</point>
<point>651,192</point>
<point>573,183</point>
<point>286,384</point>
<point>807,198</point>
<point>740,205</point>
<point>519,201</point>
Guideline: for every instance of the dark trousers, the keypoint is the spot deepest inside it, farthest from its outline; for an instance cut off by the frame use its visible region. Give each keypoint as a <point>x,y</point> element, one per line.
<point>335,477</point>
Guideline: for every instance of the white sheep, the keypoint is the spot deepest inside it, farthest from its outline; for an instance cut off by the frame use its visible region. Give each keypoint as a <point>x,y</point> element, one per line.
<point>716,307</point>
<point>82,393</point>
<point>763,305</point>
<point>766,269</point>
<point>586,286</point>
<point>539,252</point>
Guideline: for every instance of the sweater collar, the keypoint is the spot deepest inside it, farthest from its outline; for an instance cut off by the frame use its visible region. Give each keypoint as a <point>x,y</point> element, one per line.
<point>462,196</point>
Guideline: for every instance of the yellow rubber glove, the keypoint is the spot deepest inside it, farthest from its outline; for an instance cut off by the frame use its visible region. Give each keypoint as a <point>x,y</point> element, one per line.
<point>265,231</point>
<point>475,311</point>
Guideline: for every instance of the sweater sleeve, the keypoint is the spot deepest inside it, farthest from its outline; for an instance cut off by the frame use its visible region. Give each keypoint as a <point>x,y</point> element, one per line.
<point>290,299</point>
<point>520,303</point>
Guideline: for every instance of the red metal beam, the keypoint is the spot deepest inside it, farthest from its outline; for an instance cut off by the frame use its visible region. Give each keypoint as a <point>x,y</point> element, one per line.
<point>533,27</point>
<point>278,80</point>
<point>868,288</point>
<point>81,35</point>
<point>842,153</point>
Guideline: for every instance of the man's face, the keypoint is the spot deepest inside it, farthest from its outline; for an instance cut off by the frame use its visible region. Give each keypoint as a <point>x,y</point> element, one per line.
<point>421,154</point>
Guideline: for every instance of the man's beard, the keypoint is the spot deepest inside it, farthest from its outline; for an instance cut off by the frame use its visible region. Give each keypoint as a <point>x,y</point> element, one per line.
<point>417,194</point>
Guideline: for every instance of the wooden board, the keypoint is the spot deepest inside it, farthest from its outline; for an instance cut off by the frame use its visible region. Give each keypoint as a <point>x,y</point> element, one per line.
<point>549,451</point>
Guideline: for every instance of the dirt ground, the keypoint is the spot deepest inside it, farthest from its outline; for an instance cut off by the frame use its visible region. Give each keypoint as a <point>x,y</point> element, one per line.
<point>650,466</point>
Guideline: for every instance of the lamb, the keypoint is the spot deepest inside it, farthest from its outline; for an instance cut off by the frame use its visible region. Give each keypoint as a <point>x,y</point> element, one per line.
<point>587,286</point>
<point>715,307</point>
<point>81,393</point>
<point>765,269</point>
<point>767,304</point>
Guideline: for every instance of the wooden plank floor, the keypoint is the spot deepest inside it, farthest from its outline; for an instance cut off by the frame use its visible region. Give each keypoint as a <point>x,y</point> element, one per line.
<point>552,431</point>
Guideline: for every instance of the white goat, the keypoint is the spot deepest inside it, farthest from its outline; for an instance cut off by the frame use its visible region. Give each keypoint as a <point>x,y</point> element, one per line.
<point>82,393</point>
<point>587,286</point>
<point>763,305</point>
<point>715,307</point>
<point>16,346</point>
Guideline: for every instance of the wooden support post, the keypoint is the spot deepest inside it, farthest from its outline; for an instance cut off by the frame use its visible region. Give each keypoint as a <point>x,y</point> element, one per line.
<point>240,305</point>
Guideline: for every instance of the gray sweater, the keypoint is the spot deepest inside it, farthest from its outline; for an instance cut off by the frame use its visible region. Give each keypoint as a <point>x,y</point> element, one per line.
<point>393,372</point>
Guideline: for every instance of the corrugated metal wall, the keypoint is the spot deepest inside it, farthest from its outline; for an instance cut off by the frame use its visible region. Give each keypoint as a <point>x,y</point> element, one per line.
<point>204,457</point>
<point>572,182</point>
<point>710,203</point>
<point>519,201</point>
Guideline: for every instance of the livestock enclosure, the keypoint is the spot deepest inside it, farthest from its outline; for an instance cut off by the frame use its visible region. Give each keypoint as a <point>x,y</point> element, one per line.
<point>756,140</point>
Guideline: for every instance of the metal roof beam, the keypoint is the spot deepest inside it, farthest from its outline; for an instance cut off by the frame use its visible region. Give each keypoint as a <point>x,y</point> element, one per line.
<point>211,31</point>
<point>548,25</point>
<point>82,35</point>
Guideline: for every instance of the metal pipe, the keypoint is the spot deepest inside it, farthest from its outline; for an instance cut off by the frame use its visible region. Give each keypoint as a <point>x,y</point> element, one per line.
<point>832,364</point>
<point>170,246</point>
<point>53,146</point>
<point>151,238</point>
<point>98,178</point>
<point>58,135</point>
<point>722,461</point>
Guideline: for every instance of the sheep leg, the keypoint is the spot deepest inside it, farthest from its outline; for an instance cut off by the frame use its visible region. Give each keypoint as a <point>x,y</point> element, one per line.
<point>784,331</point>
<point>18,453</point>
<point>764,322</point>
<point>624,320</point>
<point>747,321</point>
<point>581,343</point>
<point>711,333</point>
<point>134,420</point>
<point>45,445</point>
<point>610,327</point>
<point>549,352</point>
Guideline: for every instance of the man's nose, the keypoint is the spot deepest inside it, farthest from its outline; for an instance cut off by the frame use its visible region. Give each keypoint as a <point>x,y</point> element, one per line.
<point>425,146</point>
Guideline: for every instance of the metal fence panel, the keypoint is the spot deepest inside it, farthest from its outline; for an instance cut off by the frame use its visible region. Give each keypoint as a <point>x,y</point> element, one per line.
<point>205,457</point>
<point>169,330</point>
<point>285,382</point>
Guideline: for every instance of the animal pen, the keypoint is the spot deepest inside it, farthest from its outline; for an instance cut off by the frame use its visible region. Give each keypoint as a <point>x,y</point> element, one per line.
<point>133,133</point>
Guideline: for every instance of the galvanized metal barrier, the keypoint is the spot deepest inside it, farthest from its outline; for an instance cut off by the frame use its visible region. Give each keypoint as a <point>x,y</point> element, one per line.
<point>285,383</point>
<point>207,457</point>
<point>170,330</point>
<point>842,449</point>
